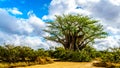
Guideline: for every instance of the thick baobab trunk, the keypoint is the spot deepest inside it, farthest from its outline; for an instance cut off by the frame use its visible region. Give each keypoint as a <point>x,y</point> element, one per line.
<point>73,45</point>
<point>66,46</point>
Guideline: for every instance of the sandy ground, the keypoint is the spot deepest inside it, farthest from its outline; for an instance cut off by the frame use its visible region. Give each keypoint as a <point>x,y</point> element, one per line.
<point>65,65</point>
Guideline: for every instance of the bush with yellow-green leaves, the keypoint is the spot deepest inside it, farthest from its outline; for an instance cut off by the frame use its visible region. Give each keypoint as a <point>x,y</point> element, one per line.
<point>113,55</point>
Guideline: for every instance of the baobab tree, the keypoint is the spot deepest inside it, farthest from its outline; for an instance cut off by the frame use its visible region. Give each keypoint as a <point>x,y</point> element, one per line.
<point>74,32</point>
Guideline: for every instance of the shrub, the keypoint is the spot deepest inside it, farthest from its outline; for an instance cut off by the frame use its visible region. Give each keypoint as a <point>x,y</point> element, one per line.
<point>50,53</point>
<point>49,60</point>
<point>42,52</point>
<point>112,56</point>
<point>85,55</point>
<point>41,60</point>
<point>59,52</point>
<point>13,54</point>
<point>44,60</point>
<point>81,56</point>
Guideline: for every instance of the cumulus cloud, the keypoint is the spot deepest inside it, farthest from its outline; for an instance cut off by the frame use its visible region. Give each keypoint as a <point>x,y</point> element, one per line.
<point>115,2</point>
<point>34,42</point>
<point>20,31</point>
<point>58,7</point>
<point>14,11</point>
<point>108,13</point>
<point>36,23</point>
<point>110,41</point>
<point>11,24</point>
<point>6,25</point>
<point>31,41</point>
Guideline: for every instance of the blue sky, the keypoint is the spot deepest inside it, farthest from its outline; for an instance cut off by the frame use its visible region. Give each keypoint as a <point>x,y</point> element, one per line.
<point>39,7</point>
<point>22,21</point>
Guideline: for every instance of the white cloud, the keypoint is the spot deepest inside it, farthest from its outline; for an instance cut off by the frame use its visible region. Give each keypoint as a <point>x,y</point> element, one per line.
<point>58,7</point>
<point>24,26</point>
<point>34,42</point>
<point>35,21</point>
<point>13,25</point>
<point>20,31</point>
<point>113,31</point>
<point>115,2</point>
<point>14,11</point>
<point>111,41</point>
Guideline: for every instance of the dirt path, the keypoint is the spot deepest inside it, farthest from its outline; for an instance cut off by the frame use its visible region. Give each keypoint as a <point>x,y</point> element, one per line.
<point>65,65</point>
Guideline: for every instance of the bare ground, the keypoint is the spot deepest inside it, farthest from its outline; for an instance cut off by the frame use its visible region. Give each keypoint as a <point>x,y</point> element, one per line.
<point>65,65</point>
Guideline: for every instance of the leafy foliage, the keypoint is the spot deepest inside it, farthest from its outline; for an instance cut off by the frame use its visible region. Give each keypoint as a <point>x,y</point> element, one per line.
<point>85,55</point>
<point>11,54</point>
<point>74,32</point>
<point>112,56</point>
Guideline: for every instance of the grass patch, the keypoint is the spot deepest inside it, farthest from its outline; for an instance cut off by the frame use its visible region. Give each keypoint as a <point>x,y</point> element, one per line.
<point>17,64</point>
<point>43,60</point>
<point>107,64</point>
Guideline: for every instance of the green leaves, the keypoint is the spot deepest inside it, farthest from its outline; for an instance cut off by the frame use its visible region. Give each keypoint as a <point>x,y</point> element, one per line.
<point>75,30</point>
<point>112,56</point>
<point>11,54</point>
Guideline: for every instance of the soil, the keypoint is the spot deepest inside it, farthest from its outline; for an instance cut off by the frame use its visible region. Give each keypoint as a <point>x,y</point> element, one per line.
<point>65,65</point>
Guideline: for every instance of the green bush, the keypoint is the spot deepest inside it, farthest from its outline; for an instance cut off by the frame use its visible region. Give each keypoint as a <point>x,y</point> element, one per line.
<point>81,56</point>
<point>12,54</point>
<point>50,53</point>
<point>59,52</point>
<point>85,55</point>
<point>112,56</point>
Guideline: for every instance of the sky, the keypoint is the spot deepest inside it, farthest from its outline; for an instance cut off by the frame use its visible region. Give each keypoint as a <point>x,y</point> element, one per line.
<point>22,21</point>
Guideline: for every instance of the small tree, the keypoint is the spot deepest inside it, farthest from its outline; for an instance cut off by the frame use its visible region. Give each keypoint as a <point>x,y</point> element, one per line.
<point>74,32</point>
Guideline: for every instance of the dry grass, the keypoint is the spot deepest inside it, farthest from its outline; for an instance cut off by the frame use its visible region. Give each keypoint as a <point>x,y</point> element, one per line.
<point>44,60</point>
<point>18,64</point>
<point>4,65</point>
<point>65,65</point>
<point>39,60</point>
<point>106,64</point>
